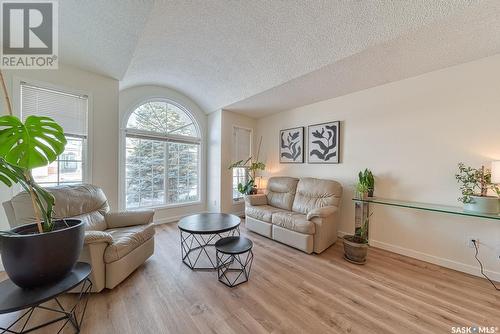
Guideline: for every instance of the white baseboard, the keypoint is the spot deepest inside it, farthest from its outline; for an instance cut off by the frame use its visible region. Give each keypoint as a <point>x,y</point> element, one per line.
<point>447,263</point>
<point>239,213</point>
<point>171,219</point>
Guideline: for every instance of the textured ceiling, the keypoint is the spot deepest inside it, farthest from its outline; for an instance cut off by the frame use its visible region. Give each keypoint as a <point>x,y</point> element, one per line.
<point>260,56</point>
<point>471,35</point>
<point>101,36</point>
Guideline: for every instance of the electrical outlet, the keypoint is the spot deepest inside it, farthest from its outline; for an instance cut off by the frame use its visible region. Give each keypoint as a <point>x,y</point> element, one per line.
<point>470,244</point>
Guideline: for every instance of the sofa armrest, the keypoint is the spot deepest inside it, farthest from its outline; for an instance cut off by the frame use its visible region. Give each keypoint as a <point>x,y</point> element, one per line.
<point>321,212</point>
<point>129,218</point>
<point>94,237</point>
<point>254,200</point>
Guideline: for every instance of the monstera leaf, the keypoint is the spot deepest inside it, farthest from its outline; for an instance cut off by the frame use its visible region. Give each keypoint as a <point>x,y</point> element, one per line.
<point>33,144</point>
<point>7,175</point>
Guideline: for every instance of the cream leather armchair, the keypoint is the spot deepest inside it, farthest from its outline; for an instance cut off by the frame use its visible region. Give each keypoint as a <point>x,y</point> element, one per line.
<point>116,243</point>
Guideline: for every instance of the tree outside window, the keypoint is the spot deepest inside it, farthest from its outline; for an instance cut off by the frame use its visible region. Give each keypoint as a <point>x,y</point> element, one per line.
<point>162,156</point>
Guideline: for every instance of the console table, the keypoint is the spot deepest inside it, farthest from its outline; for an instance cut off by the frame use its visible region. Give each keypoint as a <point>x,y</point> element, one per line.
<point>13,299</point>
<point>362,208</point>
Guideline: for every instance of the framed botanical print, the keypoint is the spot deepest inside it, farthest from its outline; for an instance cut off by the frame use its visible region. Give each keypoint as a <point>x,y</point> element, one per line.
<point>292,145</point>
<point>324,143</point>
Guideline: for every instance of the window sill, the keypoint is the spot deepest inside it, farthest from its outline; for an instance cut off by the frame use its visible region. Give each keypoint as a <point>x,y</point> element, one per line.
<point>166,206</point>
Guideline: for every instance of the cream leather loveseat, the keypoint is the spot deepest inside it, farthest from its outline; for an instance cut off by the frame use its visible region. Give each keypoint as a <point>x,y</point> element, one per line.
<point>115,243</point>
<point>302,213</point>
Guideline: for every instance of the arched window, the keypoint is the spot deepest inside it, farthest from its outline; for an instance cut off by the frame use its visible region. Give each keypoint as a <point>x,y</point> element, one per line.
<point>162,160</point>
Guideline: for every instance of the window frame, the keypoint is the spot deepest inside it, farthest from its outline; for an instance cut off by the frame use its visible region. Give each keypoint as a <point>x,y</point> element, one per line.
<point>234,127</point>
<point>150,135</point>
<point>87,164</point>
<point>241,198</point>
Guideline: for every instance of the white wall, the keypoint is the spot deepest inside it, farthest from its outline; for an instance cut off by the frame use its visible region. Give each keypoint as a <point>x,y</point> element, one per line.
<point>411,133</point>
<point>133,97</point>
<point>103,92</point>
<point>214,151</point>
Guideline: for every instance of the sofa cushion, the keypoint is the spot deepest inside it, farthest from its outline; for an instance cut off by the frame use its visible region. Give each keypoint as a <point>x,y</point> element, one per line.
<point>126,239</point>
<point>261,212</point>
<point>315,193</point>
<point>281,191</point>
<point>293,221</point>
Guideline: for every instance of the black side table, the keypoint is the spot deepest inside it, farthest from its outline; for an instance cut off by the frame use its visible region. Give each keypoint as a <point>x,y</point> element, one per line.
<point>198,235</point>
<point>13,298</point>
<point>234,260</point>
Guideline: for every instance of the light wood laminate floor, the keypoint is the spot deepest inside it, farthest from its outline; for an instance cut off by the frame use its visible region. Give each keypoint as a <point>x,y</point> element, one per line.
<point>291,292</point>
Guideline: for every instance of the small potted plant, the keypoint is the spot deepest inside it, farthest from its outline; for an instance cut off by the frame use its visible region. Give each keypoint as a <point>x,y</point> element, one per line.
<point>366,177</point>
<point>356,246</point>
<point>251,166</point>
<point>45,251</point>
<point>474,186</point>
<point>361,190</point>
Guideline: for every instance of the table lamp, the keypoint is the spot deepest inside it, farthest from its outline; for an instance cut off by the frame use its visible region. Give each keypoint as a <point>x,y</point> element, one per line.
<point>262,184</point>
<point>495,172</point>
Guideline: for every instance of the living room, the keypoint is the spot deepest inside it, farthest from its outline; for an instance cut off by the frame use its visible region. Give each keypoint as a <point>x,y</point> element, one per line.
<point>267,166</point>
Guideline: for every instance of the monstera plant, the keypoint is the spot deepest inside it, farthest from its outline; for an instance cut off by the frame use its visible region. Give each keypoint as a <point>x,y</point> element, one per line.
<point>45,251</point>
<point>23,146</point>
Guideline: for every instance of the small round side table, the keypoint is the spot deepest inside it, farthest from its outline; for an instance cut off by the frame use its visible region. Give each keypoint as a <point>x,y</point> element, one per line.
<point>234,260</point>
<point>13,299</point>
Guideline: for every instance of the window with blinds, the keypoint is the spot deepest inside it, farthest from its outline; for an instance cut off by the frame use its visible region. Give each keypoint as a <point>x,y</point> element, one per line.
<point>71,112</point>
<point>242,150</point>
<point>242,144</point>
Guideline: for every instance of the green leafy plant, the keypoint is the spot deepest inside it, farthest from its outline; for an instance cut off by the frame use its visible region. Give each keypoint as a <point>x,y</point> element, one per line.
<point>361,189</point>
<point>24,146</point>
<point>366,177</point>
<point>474,182</point>
<point>251,166</point>
<point>361,234</point>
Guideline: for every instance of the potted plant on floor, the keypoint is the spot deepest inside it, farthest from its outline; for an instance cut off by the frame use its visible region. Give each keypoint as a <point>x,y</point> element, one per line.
<point>251,167</point>
<point>45,251</point>
<point>474,186</point>
<point>356,246</point>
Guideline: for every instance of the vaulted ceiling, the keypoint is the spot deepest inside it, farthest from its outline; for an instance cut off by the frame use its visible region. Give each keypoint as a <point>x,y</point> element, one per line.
<point>258,57</point>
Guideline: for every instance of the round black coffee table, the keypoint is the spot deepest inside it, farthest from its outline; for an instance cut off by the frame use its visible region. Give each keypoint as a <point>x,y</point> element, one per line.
<point>201,231</point>
<point>13,299</point>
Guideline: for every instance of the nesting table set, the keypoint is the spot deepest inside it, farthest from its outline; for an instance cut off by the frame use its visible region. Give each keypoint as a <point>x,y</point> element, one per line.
<point>202,233</point>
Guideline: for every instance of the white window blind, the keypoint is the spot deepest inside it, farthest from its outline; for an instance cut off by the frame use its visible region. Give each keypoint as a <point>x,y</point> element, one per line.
<point>242,144</point>
<point>71,112</point>
<point>68,110</point>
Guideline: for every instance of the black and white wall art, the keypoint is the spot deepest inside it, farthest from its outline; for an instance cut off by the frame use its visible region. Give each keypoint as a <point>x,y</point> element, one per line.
<point>323,143</point>
<point>292,145</point>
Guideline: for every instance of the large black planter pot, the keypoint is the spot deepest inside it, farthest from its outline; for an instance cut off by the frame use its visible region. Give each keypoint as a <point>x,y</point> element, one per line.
<point>32,259</point>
